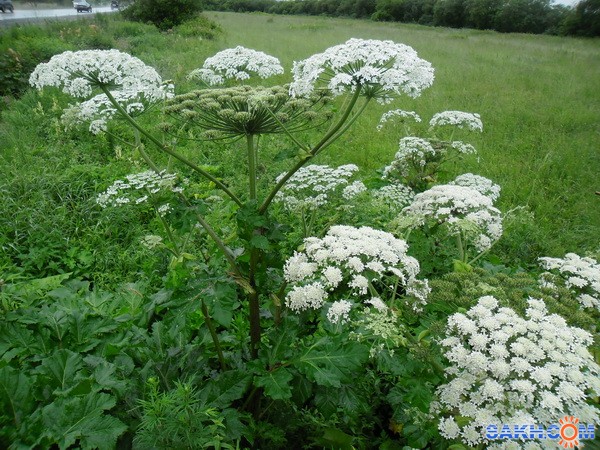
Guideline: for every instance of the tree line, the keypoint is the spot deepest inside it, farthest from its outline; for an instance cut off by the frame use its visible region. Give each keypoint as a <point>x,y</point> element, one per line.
<point>507,16</point>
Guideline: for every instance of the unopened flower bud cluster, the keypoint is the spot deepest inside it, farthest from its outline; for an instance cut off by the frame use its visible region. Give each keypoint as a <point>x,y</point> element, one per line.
<point>579,274</point>
<point>505,369</point>
<point>347,261</point>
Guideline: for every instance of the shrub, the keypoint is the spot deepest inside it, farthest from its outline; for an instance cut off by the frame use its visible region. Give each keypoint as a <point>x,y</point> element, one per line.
<point>164,14</point>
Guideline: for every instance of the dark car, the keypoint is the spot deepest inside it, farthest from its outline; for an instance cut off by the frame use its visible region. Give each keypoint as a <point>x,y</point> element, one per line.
<point>82,6</point>
<point>6,6</point>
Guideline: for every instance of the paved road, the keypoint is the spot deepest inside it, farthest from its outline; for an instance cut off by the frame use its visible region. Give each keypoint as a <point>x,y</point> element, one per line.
<point>31,15</point>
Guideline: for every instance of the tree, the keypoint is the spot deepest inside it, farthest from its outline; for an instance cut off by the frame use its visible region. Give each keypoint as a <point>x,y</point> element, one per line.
<point>584,20</point>
<point>523,16</point>
<point>449,13</point>
<point>481,14</point>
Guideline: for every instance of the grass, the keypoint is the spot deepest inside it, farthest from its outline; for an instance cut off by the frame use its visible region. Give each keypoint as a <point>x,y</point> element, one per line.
<point>539,98</point>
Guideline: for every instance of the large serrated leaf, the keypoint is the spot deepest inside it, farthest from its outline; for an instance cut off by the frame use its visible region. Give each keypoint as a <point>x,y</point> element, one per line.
<point>329,363</point>
<point>276,383</point>
<point>82,420</point>
<point>15,395</point>
<point>61,370</point>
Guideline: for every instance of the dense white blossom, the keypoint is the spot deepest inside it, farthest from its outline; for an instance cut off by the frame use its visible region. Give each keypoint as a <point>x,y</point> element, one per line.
<point>79,72</point>
<point>140,188</point>
<point>353,261</point>
<point>459,119</point>
<point>338,311</point>
<point>383,69</point>
<point>481,184</point>
<point>581,275</point>
<point>503,370</point>
<point>313,186</point>
<point>459,209</point>
<point>397,113</point>
<point>151,241</point>
<point>237,63</point>
<point>395,195</point>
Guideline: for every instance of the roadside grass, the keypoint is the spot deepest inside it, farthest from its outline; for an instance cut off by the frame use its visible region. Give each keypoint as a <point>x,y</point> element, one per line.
<point>539,98</point>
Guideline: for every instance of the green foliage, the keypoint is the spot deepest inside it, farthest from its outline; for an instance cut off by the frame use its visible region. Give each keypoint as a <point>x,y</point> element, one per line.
<point>164,14</point>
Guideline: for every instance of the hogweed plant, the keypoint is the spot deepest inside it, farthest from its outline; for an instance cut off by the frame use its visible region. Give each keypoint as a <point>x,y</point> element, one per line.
<point>286,328</point>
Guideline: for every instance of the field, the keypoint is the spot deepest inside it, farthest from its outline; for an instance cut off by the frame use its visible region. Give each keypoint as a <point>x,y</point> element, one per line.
<point>157,367</point>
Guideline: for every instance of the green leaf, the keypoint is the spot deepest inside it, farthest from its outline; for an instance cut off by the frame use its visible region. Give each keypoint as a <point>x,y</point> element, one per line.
<point>61,370</point>
<point>276,383</point>
<point>462,267</point>
<point>15,395</point>
<point>83,420</point>
<point>226,388</point>
<point>328,363</point>
<point>261,242</point>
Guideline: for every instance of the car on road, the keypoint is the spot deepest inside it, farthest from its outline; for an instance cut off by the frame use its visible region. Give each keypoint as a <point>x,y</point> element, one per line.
<point>6,6</point>
<point>82,6</point>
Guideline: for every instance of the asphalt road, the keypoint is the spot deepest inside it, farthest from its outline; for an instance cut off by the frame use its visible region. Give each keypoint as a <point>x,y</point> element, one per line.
<point>32,15</point>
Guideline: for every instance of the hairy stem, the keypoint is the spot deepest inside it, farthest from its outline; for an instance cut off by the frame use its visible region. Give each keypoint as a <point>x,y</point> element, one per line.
<point>214,336</point>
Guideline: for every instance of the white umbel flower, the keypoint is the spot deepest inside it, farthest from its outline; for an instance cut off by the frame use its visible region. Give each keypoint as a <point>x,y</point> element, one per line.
<point>237,63</point>
<point>459,119</point>
<point>383,69</point>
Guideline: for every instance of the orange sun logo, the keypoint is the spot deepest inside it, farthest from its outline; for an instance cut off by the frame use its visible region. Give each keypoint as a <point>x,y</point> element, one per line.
<point>569,432</point>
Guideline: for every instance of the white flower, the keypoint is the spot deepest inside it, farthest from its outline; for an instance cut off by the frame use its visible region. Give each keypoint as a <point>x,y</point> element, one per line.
<point>480,184</point>
<point>345,260</point>
<point>459,119</point>
<point>237,63</point>
<point>397,113</point>
<point>459,209</point>
<point>79,72</point>
<point>509,379</point>
<point>413,152</point>
<point>138,188</point>
<point>313,186</point>
<point>339,311</point>
<point>383,69</point>
<point>581,275</point>
<point>151,241</point>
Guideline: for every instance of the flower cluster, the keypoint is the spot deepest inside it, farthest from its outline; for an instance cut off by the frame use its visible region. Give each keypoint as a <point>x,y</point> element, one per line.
<point>579,274</point>
<point>481,184</point>
<point>395,195</point>
<point>505,369</point>
<point>140,188</point>
<point>382,69</point>
<point>237,63</point>
<point>98,110</point>
<point>461,210</point>
<point>313,186</point>
<point>397,114</point>
<point>413,153</point>
<point>242,110</point>
<point>353,262</point>
<point>459,119</point>
<point>79,72</point>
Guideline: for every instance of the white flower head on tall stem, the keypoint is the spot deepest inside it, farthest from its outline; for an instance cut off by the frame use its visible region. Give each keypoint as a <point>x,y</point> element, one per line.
<point>459,119</point>
<point>413,153</point>
<point>504,369</point>
<point>78,73</point>
<point>397,115</point>
<point>382,69</point>
<point>581,275</point>
<point>356,262</point>
<point>237,63</point>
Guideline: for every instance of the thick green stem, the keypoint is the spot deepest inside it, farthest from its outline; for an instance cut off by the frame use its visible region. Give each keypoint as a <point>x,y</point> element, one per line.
<point>251,166</point>
<point>169,234</point>
<point>254,306</point>
<point>214,336</point>
<point>461,250</point>
<point>167,150</point>
<point>325,141</point>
